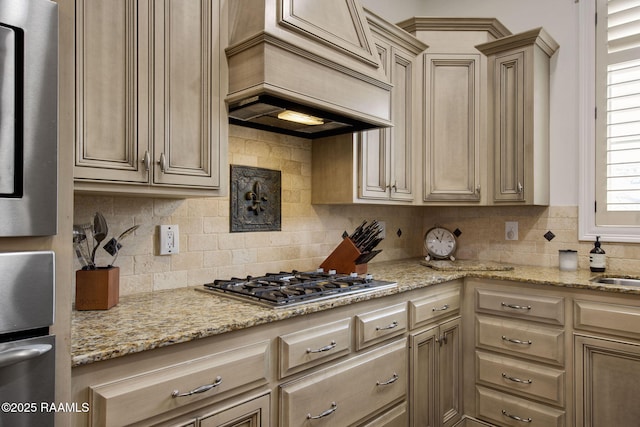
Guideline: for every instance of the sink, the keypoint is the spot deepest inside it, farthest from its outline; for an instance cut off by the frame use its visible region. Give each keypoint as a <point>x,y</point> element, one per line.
<point>620,281</point>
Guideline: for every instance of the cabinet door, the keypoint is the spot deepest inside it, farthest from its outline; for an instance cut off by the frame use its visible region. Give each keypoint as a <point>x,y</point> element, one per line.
<point>607,382</point>
<point>509,127</point>
<point>450,373</point>
<point>112,134</point>
<point>386,155</point>
<point>186,93</point>
<point>374,147</point>
<point>436,383</point>
<point>452,128</point>
<point>402,135</point>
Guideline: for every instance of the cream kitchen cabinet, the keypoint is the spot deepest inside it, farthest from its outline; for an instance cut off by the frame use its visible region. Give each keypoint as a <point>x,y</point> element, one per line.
<point>454,92</point>
<point>136,398</point>
<point>518,88</point>
<point>486,116</point>
<point>436,357</point>
<point>520,358</point>
<point>436,391</point>
<point>149,116</point>
<point>376,166</point>
<point>607,362</point>
<point>349,391</point>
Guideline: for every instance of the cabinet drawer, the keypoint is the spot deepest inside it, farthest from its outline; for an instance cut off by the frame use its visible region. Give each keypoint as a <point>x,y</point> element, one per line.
<point>395,417</point>
<point>539,342</point>
<point>612,318</point>
<point>379,325</point>
<point>505,410</point>
<point>141,396</point>
<point>310,347</point>
<point>433,307</point>
<point>525,306</point>
<point>522,378</point>
<point>348,391</point>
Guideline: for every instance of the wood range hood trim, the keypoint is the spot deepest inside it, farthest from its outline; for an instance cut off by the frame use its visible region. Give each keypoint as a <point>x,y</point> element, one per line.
<point>285,51</point>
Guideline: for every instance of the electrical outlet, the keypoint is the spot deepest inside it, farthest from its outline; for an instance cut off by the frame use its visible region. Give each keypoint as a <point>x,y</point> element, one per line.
<point>169,239</point>
<point>511,230</point>
<point>383,229</point>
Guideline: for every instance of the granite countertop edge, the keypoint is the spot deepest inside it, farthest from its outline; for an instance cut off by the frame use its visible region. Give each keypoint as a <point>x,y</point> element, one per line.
<point>158,319</point>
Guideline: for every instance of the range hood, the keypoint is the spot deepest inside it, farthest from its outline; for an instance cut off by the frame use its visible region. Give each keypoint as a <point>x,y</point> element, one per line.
<point>304,67</point>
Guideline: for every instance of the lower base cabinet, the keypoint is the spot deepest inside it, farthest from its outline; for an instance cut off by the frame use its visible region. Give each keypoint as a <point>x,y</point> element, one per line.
<point>347,392</point>
<point>436,388</point>
<point>507,410</point>
<point>607,375</point>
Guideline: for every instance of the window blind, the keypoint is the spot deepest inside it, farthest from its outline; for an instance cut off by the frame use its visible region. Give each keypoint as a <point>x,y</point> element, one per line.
<point>623,105</point>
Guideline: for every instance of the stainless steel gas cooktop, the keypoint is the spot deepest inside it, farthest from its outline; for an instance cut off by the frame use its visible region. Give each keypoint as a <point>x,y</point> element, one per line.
<point>286,289</point>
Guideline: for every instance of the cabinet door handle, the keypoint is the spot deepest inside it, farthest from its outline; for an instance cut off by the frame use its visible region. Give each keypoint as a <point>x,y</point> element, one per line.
<point>516,341</point>
<point>163,163</point>
<point>441,339</point>
<point>197,390</point>
<point>146,161</point>
<point>516,307</point>
<point>515,417</point>
<point>520,188</point>
<point>443,308</point>
<point>394,187</point>
<point>331,346</point>
<point>328,412</point>
<point>391,380</point>
<point>391,325</point>
<point>516,380</point>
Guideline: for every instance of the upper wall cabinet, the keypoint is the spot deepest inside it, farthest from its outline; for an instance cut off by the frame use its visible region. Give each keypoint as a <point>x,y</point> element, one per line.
<point>519,116</point>
<point>454,93</point>
<point>486,112</point>
<point>149,115</point>
<point>376,166</point>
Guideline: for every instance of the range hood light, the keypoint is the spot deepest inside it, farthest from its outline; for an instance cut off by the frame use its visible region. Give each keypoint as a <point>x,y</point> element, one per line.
<point>305,119</point>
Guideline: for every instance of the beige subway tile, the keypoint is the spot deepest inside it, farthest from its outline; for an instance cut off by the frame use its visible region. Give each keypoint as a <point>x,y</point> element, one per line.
<point>186,261</point>
<point>214,259</point>
<point>170,280</point>
<point>202,242</point>
<point>136,284</point>
<point>151,264</point>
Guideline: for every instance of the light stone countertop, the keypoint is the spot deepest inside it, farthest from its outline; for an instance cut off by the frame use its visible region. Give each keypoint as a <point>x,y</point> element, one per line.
<point>158,319</point>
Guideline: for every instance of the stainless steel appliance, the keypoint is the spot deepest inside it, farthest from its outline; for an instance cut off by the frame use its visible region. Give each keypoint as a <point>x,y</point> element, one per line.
<point>28,117</point>
<point>286,289</point>
<point>27,350</point>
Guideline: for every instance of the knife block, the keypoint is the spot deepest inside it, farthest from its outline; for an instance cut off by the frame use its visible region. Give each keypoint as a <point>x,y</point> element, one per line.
<point>97,289</point>
<point>343,259</point>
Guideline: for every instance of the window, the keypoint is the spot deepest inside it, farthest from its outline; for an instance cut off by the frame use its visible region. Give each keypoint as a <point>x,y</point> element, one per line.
<point>614,142</point>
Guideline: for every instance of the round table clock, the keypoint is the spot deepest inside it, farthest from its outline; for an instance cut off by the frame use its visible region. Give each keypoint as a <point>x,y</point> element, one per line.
<point>440,243</point>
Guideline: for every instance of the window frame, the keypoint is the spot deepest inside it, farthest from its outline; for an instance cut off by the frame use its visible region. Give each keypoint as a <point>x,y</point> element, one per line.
<point>587,227</point>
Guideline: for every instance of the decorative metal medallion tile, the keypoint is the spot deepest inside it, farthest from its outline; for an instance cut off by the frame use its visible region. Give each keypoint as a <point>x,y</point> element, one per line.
<point>255,197</point>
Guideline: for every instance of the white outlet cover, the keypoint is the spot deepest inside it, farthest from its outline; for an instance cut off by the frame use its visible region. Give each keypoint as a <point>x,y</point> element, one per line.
<point>511,230</point>
<point>169,239</point>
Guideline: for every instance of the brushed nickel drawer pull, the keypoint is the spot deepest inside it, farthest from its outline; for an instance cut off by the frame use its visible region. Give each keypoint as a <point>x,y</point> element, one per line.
<point>326,413</point>
<point>443,308</point>
<point>392,325</point>
<point>515,341</point>
<point>331,346</point>
<point>515,417</point>
<point>201,389</point>
<point>516,380</point>
<point>392,380</point>
<point>516,307</point>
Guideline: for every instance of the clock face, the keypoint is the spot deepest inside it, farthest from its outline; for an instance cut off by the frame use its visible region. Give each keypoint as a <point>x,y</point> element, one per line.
<point>440,242</point>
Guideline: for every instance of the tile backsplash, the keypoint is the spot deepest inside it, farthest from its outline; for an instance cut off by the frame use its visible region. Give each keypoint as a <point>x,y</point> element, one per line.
<point>310,232</point>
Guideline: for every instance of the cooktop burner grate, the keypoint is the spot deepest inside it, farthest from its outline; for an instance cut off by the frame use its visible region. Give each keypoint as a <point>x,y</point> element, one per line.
<point>285,289</point>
